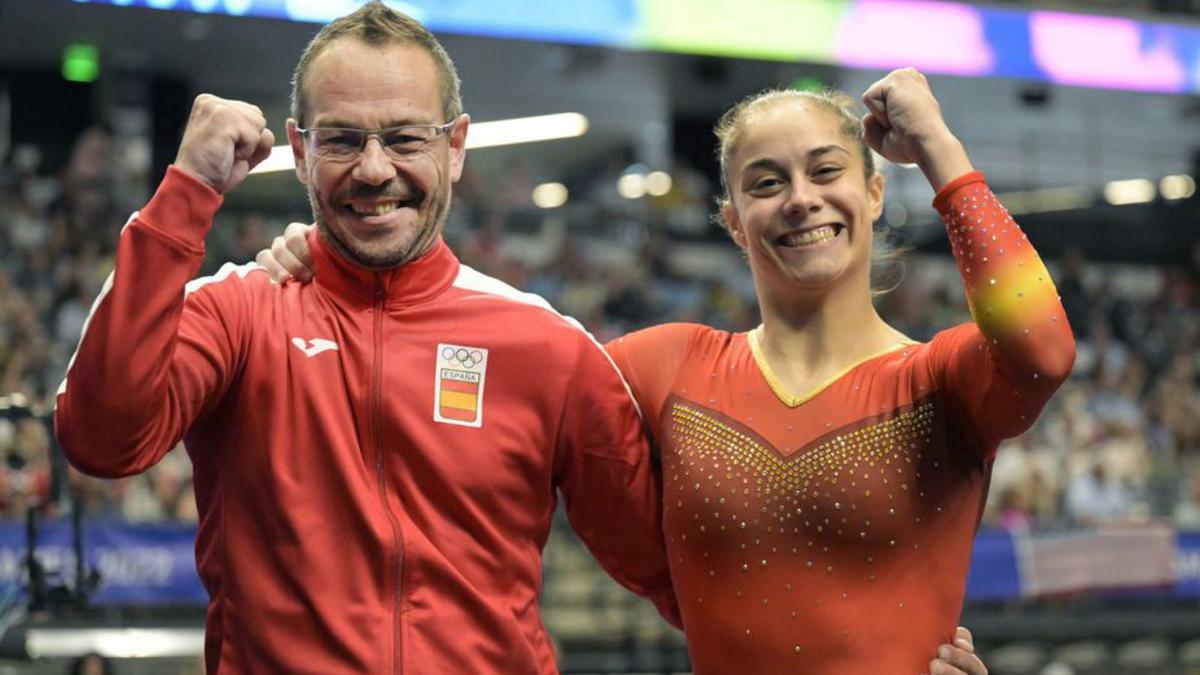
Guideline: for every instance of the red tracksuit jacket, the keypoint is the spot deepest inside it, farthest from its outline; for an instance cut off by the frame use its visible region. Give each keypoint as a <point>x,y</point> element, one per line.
<point>376,454</point>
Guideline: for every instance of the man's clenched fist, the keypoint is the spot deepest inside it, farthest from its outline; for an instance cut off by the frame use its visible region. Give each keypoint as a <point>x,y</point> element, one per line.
<point>223,140</point>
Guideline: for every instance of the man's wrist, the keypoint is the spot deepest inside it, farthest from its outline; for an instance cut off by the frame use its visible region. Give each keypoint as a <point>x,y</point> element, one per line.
<point>182,208</point>
<point>192,173</point>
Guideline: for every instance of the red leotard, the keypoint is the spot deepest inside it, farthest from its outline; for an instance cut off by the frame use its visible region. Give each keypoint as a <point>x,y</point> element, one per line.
<point>831,532</point>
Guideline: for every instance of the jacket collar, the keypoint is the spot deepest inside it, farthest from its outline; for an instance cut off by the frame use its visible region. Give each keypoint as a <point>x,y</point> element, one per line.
<point>409,284</point>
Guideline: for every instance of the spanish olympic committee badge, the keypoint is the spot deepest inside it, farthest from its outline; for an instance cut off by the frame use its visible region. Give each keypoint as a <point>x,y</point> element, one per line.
<point>458,393</point>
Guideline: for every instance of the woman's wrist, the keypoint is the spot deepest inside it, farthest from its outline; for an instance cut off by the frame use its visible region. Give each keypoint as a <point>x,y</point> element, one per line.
<point>942,159</point>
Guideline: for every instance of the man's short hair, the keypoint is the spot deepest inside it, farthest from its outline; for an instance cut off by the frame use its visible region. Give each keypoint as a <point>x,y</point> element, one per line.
<point>377,25</point>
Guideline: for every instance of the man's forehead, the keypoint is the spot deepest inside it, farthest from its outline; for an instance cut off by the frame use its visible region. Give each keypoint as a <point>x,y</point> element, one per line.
<point>351,75</point>
<point>388,61</point>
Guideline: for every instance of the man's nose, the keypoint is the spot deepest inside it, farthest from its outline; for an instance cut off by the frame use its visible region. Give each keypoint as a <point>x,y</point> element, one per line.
<point>374,166</point>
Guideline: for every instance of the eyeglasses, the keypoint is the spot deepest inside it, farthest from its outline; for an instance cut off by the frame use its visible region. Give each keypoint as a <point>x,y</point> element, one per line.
<point>343,144</point>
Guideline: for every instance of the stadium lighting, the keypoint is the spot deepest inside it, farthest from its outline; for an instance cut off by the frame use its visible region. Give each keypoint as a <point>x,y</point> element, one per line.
<point>632,186</point>
<point>527,130</point>
<point>658,183</point>
<point>482,135</point>
<point>550,195</point>
<point>1046,200</point>
<point>280,159</point>
<point>1179,186</point>
<point>1133,191</point>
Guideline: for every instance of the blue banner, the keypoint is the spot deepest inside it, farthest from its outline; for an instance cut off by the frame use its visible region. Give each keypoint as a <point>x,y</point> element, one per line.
<point>994,574</point>
<point>154,564</point>
<point>138,564</point>
<point>1188,565</point>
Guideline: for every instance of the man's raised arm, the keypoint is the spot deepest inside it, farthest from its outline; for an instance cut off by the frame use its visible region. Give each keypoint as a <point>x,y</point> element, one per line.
<point>153,357</point>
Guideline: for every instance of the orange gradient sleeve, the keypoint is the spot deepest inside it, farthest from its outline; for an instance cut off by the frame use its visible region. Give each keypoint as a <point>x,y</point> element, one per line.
<point>1023,348</point>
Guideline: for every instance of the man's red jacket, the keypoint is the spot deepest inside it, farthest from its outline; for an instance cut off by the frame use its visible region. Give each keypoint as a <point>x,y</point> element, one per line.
<point>376,454</point>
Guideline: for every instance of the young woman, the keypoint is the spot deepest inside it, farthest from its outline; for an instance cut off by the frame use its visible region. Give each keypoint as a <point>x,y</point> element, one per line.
<point>824,474</point>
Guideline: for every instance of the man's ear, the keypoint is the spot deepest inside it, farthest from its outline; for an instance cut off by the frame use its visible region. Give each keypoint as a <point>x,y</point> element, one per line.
<point>458,146</point>
<point>298,150</point>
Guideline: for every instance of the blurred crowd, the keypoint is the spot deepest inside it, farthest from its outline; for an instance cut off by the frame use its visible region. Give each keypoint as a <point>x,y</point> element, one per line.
<point>1120,442</point>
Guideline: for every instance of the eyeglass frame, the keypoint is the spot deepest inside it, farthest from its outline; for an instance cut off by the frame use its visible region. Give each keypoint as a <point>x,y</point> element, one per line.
<point>367,134</point>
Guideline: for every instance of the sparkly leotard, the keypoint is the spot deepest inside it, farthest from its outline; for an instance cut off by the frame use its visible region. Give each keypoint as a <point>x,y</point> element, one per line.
<point>831,533</point>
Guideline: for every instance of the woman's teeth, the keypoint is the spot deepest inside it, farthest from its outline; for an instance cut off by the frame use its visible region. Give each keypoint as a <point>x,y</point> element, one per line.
<point>814,236</point>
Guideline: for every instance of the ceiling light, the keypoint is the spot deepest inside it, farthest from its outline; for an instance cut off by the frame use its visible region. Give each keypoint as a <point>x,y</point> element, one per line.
<point>550,195</point>
<point>526,130</point>
<point>1046,200</point>
<point>1134,191</point>
<point>658,183</point>
<point>1179,186</point>
<point>632,186</point>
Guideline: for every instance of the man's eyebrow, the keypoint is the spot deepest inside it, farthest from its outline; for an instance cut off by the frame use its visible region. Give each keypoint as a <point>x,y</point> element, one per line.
<point>343,124</point>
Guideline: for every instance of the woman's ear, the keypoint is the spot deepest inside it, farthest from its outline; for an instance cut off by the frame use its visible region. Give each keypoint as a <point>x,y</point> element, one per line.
<point>875,190</point>
<point>733,225</point>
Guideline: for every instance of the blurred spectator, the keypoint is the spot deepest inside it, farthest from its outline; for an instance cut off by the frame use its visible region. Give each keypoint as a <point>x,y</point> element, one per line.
<point>1176,404</point>
<point>1100,352</point>
<point>25,477</point>
<point>1069,425</point>
<point>1026,474</point>
<point>1015,514</point>
<point>1095,497</point>
<point>92,664</point>
<point>1070,284</point>
<point>1187,509</point>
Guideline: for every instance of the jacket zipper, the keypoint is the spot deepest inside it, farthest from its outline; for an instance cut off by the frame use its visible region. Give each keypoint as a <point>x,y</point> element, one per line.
<point>376,424</point>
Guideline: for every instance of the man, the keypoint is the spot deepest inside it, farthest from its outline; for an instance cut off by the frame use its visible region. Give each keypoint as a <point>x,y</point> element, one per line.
<point>376,454</point>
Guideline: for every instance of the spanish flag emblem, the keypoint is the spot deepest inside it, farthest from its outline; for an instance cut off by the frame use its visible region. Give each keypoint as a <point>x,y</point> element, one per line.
<point>458,396</point>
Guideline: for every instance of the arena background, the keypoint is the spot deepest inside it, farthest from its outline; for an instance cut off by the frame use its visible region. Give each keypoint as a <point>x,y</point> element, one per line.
<point>1084,115</point>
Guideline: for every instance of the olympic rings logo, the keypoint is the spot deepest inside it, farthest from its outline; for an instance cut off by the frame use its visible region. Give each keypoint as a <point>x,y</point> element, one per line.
<point>462,356</point>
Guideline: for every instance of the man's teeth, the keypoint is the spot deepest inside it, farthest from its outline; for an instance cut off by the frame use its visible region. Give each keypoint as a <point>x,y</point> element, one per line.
<point>376,209</point>
<point>820,234</point>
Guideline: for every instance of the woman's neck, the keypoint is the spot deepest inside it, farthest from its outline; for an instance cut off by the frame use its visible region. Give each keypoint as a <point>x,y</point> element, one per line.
<point>807,339</point>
